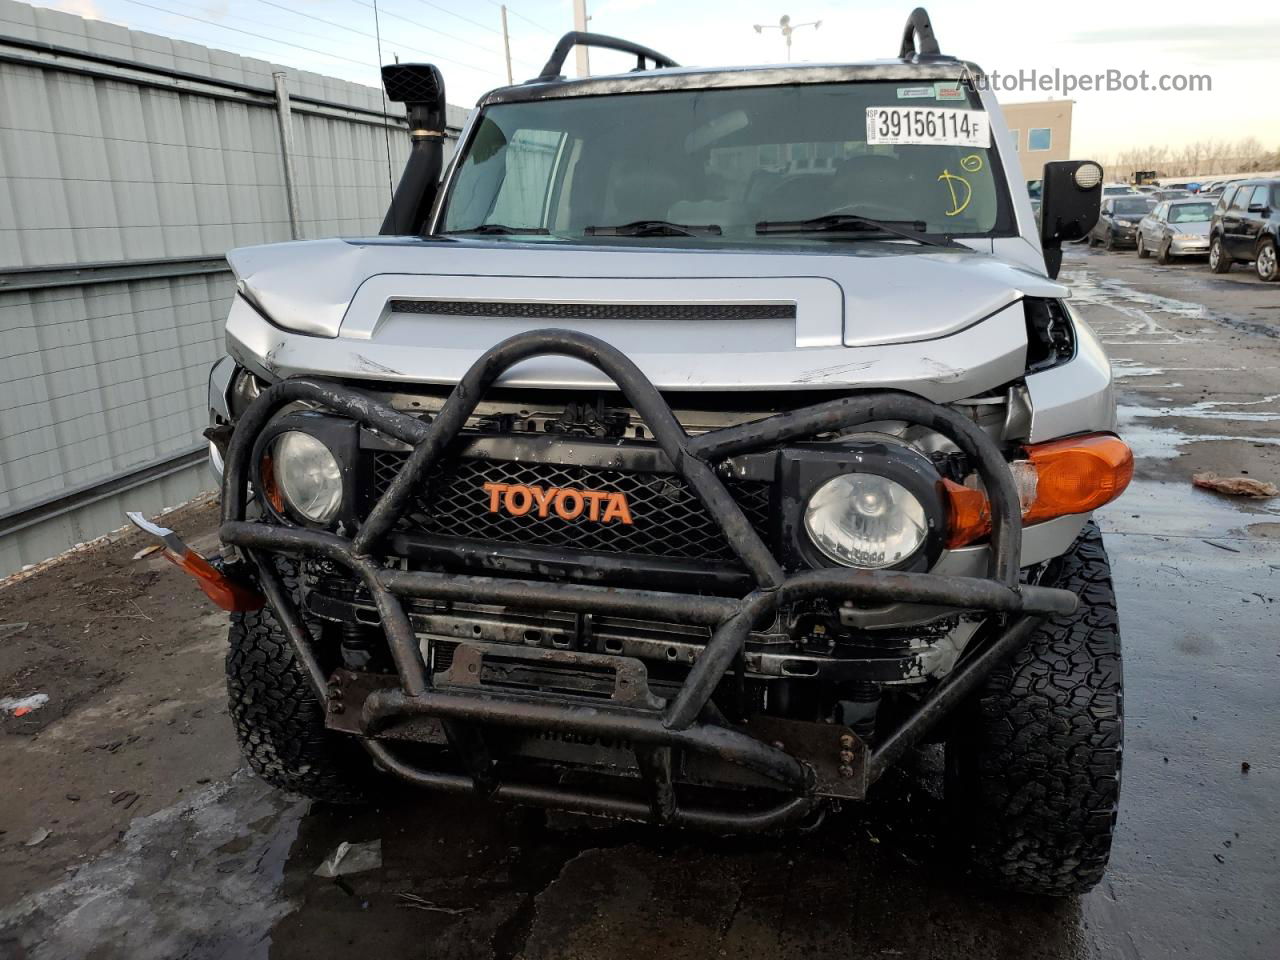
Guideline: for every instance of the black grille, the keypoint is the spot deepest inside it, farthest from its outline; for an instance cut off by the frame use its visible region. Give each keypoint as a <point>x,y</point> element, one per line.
<point>598,311</point>
<point>669,520</point>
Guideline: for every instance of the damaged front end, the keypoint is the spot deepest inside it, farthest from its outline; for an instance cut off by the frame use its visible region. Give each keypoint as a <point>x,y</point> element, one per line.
<point>732,688</point>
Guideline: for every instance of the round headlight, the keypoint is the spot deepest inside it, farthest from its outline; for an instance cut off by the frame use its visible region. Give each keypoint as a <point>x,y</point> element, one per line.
<point>308,476</point>
<point>865,520</point>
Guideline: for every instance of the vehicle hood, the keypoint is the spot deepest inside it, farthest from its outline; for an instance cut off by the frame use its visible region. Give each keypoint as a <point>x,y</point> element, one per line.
<point>857,294</point>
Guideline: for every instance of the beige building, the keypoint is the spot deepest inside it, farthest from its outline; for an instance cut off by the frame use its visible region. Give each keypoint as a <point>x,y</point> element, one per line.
<point>1041,132</point>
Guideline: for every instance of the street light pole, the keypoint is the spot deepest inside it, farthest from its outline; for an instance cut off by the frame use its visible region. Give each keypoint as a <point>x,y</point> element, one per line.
<point>506,44</point>
<point>787,28</point>
<point>580,24</point>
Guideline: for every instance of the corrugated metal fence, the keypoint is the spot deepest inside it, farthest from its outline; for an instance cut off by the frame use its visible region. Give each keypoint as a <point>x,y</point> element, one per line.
<point>129,163</point>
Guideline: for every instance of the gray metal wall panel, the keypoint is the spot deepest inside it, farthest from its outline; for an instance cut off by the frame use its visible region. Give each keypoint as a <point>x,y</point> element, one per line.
<point>100,379</point>
<point>96,380</point>
<point>102,516</point>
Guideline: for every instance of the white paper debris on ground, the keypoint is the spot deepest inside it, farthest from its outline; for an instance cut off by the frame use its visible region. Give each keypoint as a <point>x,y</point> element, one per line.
<point>21,706</point>
<point>39,837</point>
<point>351,858</point>
<point>6,629</point>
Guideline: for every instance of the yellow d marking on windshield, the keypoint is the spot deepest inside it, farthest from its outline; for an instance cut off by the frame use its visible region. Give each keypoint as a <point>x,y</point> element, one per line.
<point>970,164</point>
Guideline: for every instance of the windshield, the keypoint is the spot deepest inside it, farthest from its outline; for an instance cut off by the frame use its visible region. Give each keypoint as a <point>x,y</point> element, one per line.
<point>1190,212</point>
<point>1132,206</point>
<point>712,166</point>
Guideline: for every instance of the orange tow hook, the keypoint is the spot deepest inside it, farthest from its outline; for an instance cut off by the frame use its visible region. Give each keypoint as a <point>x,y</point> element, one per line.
<point>217,586</point>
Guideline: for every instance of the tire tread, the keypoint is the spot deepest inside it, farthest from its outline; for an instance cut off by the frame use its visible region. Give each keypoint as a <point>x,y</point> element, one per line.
<point>1040,757</point>
<point>278,719</point>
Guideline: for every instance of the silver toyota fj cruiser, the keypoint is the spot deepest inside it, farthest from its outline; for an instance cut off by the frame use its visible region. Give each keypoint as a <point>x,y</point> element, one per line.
<point>698,444</point>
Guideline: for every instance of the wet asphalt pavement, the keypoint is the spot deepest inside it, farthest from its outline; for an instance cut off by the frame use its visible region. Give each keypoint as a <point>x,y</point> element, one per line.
<point>224,868</point>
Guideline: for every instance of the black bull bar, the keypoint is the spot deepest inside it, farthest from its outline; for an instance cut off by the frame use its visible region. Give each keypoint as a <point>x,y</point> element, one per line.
<point>686,722</point>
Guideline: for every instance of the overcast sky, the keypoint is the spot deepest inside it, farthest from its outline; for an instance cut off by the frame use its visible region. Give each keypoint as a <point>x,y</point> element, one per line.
<point>1238,47</point>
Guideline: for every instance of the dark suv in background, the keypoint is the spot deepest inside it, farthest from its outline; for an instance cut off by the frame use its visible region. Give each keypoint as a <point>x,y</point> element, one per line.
<point>1245,228</point>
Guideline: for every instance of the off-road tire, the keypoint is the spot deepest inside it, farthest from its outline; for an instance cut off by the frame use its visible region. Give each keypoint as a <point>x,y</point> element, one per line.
<point>1143,252</point>
<point>1266,264</point>
<point>1034,763</point>
<point>1219,262</point>
<point>277,717</point>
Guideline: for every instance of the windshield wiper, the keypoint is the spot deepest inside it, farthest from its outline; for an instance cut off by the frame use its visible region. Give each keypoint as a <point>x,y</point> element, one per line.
<point>655,228</point>
<point>852,222</point>
<point>502,228</point>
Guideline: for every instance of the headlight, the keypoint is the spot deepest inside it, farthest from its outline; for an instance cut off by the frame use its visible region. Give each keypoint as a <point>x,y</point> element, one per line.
<point>308,476</point>
<point>865,520</point>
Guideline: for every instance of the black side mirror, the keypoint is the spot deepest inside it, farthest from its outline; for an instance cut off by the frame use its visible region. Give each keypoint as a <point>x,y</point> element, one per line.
<point>420,87</point>
<point>1070,202</point>
<point>1257,208</point>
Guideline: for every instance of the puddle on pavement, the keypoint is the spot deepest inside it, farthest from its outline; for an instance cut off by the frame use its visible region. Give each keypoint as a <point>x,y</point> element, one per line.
<point>198,879</point>
<point>1155,508</point>
<point>1176,507</point>
<point>475,880</point>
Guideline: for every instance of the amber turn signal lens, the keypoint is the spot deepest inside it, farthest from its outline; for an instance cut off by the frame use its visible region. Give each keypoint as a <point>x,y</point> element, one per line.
<point>270,488</point>
<point>1074,475</point>
<point>1077,475</point>
<point>217,586</point>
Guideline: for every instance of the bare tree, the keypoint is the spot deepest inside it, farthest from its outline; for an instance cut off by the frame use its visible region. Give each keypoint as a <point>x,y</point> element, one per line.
<point>1200,158</point>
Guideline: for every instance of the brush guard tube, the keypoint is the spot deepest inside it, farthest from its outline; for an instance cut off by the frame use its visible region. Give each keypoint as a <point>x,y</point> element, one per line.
<point>687,722</point>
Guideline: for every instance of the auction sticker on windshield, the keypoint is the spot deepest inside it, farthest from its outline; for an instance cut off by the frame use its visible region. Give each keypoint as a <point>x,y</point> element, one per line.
<point>927,125</point>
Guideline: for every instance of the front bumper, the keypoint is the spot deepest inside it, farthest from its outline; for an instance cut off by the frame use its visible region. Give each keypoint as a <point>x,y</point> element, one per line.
<point>1188,246</point>
<point>659,730</point>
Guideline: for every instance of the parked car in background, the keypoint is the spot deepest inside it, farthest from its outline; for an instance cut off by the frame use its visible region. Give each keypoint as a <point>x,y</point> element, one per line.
<point>1146,188</point>
<point>1175,228</point>
<point>1215,190</point>
<point>1245,227</point>
<point>1034,190</point>
<point>1117,225</point>
<point>1161,194</point>
<point>1118,190</point>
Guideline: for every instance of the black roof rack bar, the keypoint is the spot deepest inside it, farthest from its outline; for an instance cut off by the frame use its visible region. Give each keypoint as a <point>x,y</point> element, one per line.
<point>575,38</point>
<point>918,25</point>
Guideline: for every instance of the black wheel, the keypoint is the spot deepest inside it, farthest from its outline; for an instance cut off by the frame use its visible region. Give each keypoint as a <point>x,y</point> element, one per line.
<point>1266,264</point>
<point>1034,762</point>
<point>1162,254</point>
<point>1219,262</point>
<point>1143,252</point>
<point>277,717</point>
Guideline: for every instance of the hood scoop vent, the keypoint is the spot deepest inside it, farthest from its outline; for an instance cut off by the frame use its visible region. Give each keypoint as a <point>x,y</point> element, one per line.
<point>658,312</point>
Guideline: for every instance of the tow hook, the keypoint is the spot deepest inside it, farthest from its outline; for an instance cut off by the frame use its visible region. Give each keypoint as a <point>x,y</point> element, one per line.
<point>218,586</point>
